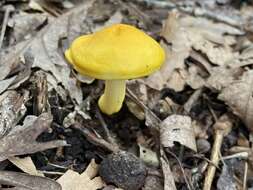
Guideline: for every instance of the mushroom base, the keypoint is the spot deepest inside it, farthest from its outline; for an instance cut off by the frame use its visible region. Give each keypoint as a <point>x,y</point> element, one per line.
<point>112,99</point>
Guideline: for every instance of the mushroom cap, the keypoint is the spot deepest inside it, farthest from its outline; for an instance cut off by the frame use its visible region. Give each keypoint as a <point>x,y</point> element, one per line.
<point>116,52</point>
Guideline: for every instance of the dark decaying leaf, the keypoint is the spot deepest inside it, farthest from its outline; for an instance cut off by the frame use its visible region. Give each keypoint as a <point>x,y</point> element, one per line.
<point>23,181</point>
<point>226,180</point>
<point>24,141</point>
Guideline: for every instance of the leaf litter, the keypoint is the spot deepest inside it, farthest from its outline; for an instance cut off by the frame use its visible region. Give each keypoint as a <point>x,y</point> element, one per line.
<point>206,78</point>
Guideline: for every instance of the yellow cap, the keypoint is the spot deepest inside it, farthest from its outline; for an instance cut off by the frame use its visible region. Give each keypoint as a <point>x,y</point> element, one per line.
<point>116,52</point>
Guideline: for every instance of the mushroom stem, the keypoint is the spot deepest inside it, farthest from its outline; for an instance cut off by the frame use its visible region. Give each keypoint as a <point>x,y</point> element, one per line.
<point>111,101</point>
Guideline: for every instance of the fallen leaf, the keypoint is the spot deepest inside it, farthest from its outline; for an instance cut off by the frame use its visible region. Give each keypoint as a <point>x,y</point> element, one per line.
<point>4,84</point>
<point>25,24</point>
<point>177,128</point>
<point>221,77</point>
<point>238,96</point>
<point>194,80</point>
<point>72,180</point>
<point>26,139</point>
<point>26,165</point>
<point>226,180</point>
<point>183,34</point>
<point>175,55</point>
<point>10,58</point>
<point>44,48</point>
<point>23,181</point>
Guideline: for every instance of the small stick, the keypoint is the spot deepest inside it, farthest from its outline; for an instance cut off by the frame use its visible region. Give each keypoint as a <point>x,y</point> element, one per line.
<point>245,176</point>
<point>189,185</point>
<point>112,147</point>
<point>8,10</point>
<point>222,127</point>
<point>104,125</point>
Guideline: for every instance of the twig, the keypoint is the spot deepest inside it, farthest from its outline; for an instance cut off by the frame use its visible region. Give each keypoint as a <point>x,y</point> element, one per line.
<point>107,134</point>
<point>189,185</point>
<point>245,176</point>
<point>222,128</point>
<point>94,139</point>
<point>241,155</point>
<point>190,102</point>
<point>8,10</point>
<point>50,172</point>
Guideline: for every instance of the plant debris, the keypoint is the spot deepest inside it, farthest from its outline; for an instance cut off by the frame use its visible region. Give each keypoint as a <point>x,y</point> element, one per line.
<point>187,126</point>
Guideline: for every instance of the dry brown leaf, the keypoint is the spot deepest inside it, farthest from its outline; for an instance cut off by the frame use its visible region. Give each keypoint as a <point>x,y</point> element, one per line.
<point>26,139</point>
<point>25,164</point>
<point>221,77</point>
<point>24,24</point>
<point>92,169</point>
<point>194,79</point>
<point>45,50</point>
<point>175,55</point>
<point>72,180</point>
<point>209,26</point>
<point>238,96</point>
<point>177,80</point>
<point>22,181</point>
<point>4,84</point>
<point>186,33</point>
<point>217,54</point>
<point>9,58</point>
<point>177,128</point>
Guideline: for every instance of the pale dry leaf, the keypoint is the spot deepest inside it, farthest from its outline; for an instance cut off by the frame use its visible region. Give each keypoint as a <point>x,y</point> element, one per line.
<point>238,96</point>
<point>221,77</point>
<point>34,5</point>
<point>194,80</point>
<point>209,26</point>
<point>210,38</point>
<point>217,54</point>
<point>4,84</point>
<point>175,55</point>
<point>72,180</point>
<point>177,128</point>
<point>186,33</point>
<point>92,169</point>
<point>24,24</point>
<point>26,165</point>
<point>69,180</point>
<point>177,80</point>
<point>9,58</point>
<point>28,121</point>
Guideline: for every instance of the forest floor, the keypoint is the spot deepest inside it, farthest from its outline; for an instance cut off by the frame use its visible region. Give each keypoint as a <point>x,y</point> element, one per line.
<point>186,126</point>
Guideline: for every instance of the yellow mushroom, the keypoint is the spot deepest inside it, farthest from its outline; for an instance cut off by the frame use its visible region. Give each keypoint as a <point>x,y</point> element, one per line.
<point>115,54</point>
